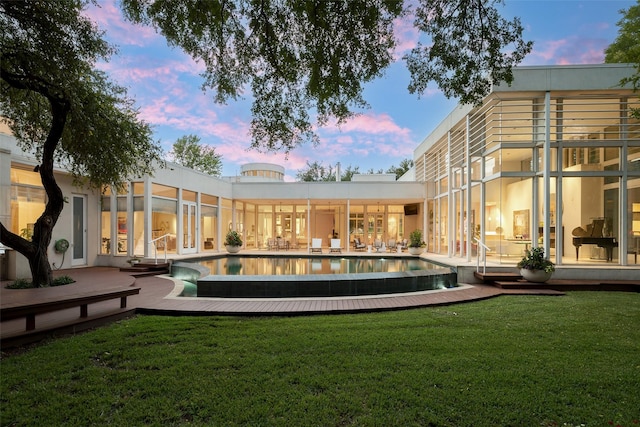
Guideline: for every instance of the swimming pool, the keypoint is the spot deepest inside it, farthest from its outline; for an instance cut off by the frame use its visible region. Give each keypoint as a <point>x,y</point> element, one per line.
<point>298,265</point>
<point>290,277</point>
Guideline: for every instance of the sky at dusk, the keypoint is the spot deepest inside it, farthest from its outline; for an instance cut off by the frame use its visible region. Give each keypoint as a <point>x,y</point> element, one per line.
<point>166,86</point>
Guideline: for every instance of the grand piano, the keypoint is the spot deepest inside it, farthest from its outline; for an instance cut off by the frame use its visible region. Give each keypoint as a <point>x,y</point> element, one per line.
<point>594,237</point>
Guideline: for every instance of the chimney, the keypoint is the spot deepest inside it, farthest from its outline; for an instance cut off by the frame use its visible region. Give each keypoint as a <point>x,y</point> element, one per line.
<point>338,172</point>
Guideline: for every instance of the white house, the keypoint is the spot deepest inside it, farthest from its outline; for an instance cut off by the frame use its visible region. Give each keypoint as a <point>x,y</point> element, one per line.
<point>552,160</point>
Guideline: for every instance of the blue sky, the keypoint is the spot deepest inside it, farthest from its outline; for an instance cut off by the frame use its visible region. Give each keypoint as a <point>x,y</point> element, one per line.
<point>166,85</point>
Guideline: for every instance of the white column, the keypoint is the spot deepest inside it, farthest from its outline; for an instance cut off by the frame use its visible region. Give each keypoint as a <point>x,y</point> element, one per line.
<point>469,224</point>
<point>546,174</point>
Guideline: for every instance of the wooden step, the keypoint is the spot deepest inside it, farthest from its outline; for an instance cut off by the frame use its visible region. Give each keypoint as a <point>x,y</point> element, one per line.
<point>494,276</point>
<point>564,285</point>
<point>153,265</point>
<point>147,269</point>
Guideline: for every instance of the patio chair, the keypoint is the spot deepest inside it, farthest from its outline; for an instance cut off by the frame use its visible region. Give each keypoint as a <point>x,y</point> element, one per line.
<point>282,244</point>
<point>358,245</point>
<point>377,244</point>
<point>316,245</point>
<point>335,246</point>
<point>271,244</point>
<point>391,246</point>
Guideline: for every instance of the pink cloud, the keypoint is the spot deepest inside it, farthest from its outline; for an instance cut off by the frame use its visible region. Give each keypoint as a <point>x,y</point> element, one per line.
<point>167,70</point>
<point>109,17</point>
<point>369,123</point>
<point>407,35</point>
<point>571,50</point>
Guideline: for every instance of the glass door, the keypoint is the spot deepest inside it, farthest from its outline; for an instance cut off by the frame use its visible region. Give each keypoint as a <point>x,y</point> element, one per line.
<point>79,233</point>
<point>189,227</point>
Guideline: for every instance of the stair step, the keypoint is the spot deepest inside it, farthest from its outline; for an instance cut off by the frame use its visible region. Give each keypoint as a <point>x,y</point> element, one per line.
<point>153,265</point>
<point>489,277</point>
<point>148,273</point>
<point>147,269</point>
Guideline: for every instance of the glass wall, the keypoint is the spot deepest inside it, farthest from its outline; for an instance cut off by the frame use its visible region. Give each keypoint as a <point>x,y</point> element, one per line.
<point>265,225</point>
<point>585,222</point>
<point>208,222</point>
<point>164,216</point>
<point>300,227</point>
<point>105,222</point>
<point>356,223</point>
<point>138,218</point>
<point>122,223</point>
<point>633,221</point>
<point>250,226</point>
<point>395,224</point>
<point>28,200</point>
<point>227,217</point>
<point>284,223</point>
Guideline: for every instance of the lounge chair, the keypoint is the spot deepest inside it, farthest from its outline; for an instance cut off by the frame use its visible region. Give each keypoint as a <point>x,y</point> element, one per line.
<point>358,245</point>
<point>377,244</point>
<point>335,246</point>
<point>316,245</point>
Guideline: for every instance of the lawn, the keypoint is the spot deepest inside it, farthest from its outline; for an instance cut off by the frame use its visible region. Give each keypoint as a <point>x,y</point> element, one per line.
<point>509,361</point>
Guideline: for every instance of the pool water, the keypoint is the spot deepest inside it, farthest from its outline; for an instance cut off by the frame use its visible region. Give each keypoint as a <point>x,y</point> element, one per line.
<point>291,277</point>
<point>278,266</point>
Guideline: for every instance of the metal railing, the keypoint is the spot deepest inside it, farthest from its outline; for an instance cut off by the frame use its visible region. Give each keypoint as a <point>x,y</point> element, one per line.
<point>484,249</point>
<point>155,246</point>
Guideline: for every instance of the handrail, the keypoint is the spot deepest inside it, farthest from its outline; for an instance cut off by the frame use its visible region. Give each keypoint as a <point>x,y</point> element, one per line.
<point>485,249</point>
<point>155,246</point>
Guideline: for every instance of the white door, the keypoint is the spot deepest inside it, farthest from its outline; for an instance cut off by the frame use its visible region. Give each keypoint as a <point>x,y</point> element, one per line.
<point>79,230</point>
<point>189,227</point>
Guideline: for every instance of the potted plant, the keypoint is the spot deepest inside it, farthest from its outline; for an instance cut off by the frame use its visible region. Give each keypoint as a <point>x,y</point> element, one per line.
<point>233,242</point>
<point>416,244</point>
<point>534,267</point>
<point>134,260</point>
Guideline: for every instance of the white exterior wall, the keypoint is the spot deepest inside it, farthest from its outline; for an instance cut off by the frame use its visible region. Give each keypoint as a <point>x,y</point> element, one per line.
<point>330,191</point>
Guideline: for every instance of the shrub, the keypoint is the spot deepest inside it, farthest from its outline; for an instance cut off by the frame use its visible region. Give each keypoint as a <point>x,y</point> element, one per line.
<point>534,260</point>
<point>233,239</point>
<point>415,239</point>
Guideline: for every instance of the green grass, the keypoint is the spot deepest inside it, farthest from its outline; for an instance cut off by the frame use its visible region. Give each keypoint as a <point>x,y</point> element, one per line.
<point>509,361</point>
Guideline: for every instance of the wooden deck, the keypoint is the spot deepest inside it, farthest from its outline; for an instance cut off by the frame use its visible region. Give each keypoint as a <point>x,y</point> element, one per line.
<point>159,295</point>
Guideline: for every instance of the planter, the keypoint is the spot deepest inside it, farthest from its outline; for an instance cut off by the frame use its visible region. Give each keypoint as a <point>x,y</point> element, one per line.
<point>233,249</point>
<point>538,276</point>
<point>415,250</point>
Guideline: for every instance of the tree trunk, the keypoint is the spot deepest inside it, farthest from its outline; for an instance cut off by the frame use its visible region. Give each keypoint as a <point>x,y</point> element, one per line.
<point>36,250</point>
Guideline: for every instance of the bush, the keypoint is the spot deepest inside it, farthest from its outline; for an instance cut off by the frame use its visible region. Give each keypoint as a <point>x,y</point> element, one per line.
<point>534,260</point>
<point>233,239</point>
<point>28,284</point>
<point>20,284</point>
<point>415,239</point>
<point>62,280</point>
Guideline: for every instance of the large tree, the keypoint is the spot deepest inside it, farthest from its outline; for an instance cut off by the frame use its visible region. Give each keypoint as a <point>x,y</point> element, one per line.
<point>402,168</point>
<point>62,110</point>
<point>626,47</point>
<point>317,171</point>
<point>299,57</point>
<point>188,152</point>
